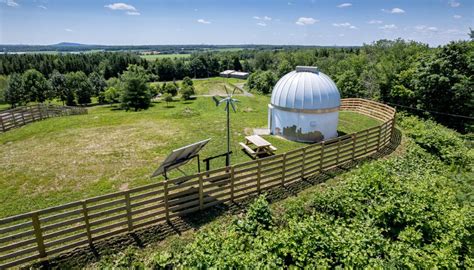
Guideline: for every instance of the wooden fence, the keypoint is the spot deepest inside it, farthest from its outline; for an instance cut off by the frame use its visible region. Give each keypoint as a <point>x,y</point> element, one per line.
<point>23,115</point>
<point>48,232</point>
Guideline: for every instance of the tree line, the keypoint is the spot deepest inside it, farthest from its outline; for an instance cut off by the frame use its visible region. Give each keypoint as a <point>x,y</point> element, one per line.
<point>406,73</point>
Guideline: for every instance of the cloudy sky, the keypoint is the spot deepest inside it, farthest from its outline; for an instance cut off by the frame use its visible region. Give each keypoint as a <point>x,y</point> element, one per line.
<point>304,22</point>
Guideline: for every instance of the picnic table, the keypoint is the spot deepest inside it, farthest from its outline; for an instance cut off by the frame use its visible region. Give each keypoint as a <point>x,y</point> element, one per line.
<point>255,145</point>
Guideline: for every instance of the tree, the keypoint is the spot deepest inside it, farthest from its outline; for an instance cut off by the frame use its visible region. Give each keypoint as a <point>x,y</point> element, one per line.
<point>187,81</point>
<point>112,95</point>
<point>15,93</point>
<point>186,92</point>
<point>78,85</point>
<point>284,67</point>
<point>3,87</point>
<point>167,98</point>
<point>136,94</point>
<point>59,87</point>
<point>171,89</point>
<point>262,82</point>
<point>98,85</point>
<point>36,84</point>
<point>350,85</point>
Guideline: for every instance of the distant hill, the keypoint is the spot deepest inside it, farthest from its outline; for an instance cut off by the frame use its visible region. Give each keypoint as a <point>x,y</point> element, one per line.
<point>64,44</point>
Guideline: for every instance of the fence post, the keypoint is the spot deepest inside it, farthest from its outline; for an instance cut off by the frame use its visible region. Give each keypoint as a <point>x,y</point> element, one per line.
<point>3,125</point>
<point>321,156</point>
<point>165,189</point>
<point>366,140</point>
<point>129,211</point>
<point>354,138</point>
<point>23,117</point>
<point>232,183</point>
<point>303,163</point>
<point>283,170</point>
<point>379,137</point>
<point>86,221</point>
<point>40,111</point>
<point>258,175</point>
<point>201,193</point>
<point>38,234</point>
<point>13,118</point>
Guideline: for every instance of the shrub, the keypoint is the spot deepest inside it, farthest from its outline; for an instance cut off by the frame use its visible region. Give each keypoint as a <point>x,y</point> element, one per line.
<point>136,94</point>
<point>186,92</point>
<point>437,140</point>
<point>167,98</point>
<point>170,88</point>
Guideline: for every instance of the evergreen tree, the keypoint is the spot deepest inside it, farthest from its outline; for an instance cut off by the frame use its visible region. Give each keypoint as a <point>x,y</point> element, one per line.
<point>15,93</point>
<point>58,86</point>
<point>136,94</point>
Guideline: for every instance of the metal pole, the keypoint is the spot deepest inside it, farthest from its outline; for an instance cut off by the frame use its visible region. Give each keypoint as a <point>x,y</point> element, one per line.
<point>227,161</point>
<point>199,164</point>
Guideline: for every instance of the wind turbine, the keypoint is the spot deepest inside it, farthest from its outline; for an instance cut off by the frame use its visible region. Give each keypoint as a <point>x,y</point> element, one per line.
<point>229,102</point>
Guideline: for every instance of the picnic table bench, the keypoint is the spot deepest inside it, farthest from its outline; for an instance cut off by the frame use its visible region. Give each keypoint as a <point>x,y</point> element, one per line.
<point>255,145</point>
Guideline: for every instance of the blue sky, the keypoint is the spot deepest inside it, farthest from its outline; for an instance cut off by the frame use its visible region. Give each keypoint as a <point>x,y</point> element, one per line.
<point>304,22</point>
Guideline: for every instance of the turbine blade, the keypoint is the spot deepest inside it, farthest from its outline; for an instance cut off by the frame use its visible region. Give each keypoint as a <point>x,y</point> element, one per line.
<point>216,100</point>
<point>233,107</point>
<point>235,88</point>
<point>226,91</point>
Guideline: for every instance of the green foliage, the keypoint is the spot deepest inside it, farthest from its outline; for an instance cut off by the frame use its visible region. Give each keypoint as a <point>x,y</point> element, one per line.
<point>262,82</point>
<point>258,216</point>
<point>15,93</point>
<point>36,85</point>
<point>437,140</point>
<point>98,85</point>
<point>112,95</point>
<point>170,88</point>
<point>136,94</point>
<point>79,86</point>
<point>186,91</point>
<point>3,87</point>
<point>59,87</point>
<point>186,81</point>
<point>167,98</point>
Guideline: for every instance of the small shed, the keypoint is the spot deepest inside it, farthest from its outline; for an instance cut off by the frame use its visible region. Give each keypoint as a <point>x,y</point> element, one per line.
<point>304,106</point>
<point>234,74</point>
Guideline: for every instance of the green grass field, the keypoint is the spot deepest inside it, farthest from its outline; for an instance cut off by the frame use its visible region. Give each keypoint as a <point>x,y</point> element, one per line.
<point>59,160</point>
<point>159,56</point>
<point>213,86</point>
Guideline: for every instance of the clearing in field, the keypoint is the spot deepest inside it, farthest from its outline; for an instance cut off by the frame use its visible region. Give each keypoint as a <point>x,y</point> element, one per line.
<point>59,160</point>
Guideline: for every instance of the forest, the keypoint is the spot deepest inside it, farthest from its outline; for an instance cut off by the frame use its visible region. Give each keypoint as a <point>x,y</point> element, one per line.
<point>435,83</point>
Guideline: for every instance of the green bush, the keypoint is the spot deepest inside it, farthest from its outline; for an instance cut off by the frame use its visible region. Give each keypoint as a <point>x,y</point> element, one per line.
<point>437,140</point>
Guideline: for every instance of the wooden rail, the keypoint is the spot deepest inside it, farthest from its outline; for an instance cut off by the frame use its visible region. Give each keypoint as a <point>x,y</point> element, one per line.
<point>41,234</point>
<point>23,115</point>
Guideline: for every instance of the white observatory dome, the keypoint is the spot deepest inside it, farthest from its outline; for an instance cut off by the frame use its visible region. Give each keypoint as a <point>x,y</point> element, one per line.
<point>306,88</point>
<point>305,106</point>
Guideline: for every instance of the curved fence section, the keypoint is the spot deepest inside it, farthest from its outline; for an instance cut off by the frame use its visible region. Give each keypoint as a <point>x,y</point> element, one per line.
<point>23,115</point>
<point>48,232</point>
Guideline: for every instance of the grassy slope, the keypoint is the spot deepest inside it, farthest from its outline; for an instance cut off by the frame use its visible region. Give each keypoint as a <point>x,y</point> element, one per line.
<point>65,159</point>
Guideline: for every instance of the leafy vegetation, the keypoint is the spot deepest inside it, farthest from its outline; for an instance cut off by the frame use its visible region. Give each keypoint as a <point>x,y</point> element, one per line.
<point>404,212</point>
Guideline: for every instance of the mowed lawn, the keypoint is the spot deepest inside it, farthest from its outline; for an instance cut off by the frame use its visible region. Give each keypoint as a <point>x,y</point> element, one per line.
<point>213,85</point>
<point>60,160</point>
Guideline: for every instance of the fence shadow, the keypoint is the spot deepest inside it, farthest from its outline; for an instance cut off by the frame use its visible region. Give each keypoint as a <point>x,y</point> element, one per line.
<point>153,234</point>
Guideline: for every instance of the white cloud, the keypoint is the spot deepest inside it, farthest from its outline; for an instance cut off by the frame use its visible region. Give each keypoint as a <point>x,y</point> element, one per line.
<point>121,6</point>
<point>306,21</point>
<point>262,24</point>
<point>11,3</point>
<point>394,11</point>
<point>375,22</point>
<point>453,3</point>
<point>457,16</point>
<point>266,18</point>
<point>203,21</point>
<point>256,17</point>
<point>42,7</point>
<point>344,5</point>
<point>424,28</point>
<point>388,27</point>
<point>68,30</point>
<point>133,13</point>
<point>345,25</point>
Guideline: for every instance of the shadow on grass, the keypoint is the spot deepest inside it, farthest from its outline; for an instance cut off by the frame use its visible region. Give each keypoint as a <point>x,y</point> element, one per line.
<point>141,238</point>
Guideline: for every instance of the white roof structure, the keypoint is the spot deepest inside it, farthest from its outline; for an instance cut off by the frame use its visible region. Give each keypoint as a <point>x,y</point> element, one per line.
<point>306,88</point>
